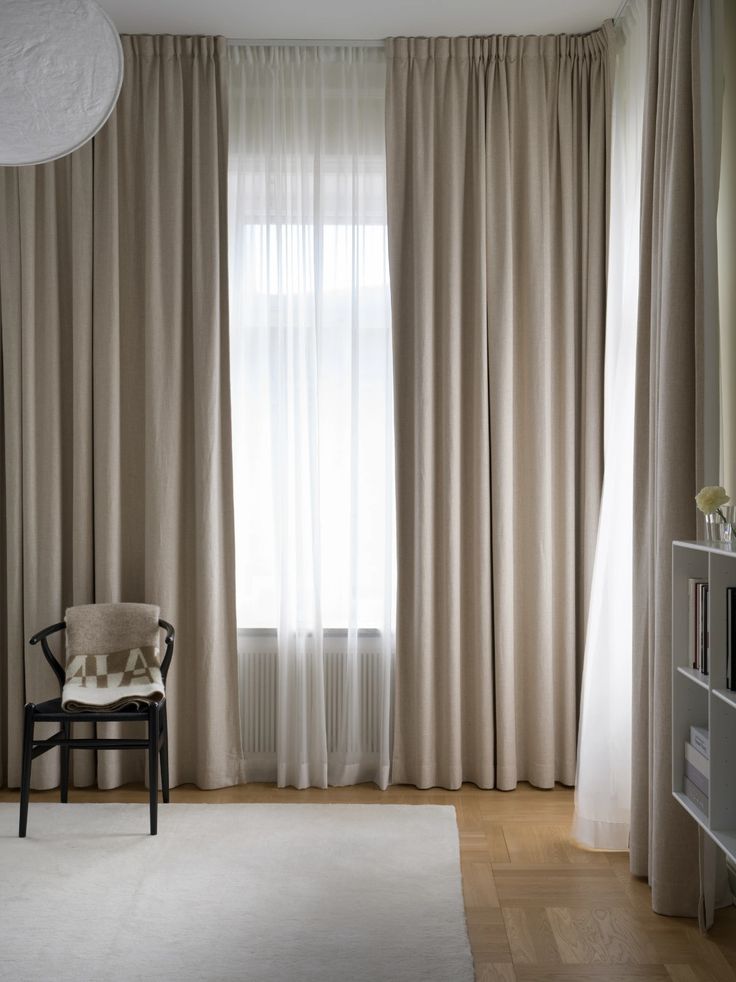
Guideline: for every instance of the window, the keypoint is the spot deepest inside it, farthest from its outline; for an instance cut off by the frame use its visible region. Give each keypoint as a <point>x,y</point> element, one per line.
<point>311,343</point>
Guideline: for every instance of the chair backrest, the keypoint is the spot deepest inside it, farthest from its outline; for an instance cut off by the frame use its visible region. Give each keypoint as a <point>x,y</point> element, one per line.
<point>102,629</point>
<point>112,627</point>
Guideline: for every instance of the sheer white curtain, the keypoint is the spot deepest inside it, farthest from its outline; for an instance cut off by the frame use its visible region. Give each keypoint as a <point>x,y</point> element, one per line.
<point>603,787</point>
<point>312,395</point>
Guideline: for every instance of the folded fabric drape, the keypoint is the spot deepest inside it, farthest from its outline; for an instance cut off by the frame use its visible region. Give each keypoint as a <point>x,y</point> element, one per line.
<point>312,402</point>
<point>112,656</point>
<point>668,453</point>
<point>726,252</point>
<point>115,460</point>
<point>603,785</point>
<point>497,154</point>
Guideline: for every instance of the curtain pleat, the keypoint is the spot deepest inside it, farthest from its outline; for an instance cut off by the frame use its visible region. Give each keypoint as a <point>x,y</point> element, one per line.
<point>497,153</point>
<point>668,465</point>
<point>312,403</point>
<point>116,412</point>
<point>603,784</point>
<point>726,253</point>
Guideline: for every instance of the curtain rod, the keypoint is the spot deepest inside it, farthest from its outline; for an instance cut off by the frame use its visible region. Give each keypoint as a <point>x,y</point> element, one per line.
<point>308,42</point>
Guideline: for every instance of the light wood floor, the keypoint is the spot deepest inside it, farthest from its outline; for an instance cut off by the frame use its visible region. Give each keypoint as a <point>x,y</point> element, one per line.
<point>538,907</point>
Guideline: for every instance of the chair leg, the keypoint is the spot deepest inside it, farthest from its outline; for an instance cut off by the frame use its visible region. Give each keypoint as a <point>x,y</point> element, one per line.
<point>164,753</point>
<point>25,778</point>
<point>66,729</point>
<point>153,734</point>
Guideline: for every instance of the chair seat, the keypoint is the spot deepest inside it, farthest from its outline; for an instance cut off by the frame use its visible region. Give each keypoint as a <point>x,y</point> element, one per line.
<point>51,712</point>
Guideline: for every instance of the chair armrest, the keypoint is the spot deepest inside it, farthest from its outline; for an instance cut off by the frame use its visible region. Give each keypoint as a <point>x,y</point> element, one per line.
<point>169,628</point>
<point>58,670</point>
<point>46,631</point>
<point>48,653</point>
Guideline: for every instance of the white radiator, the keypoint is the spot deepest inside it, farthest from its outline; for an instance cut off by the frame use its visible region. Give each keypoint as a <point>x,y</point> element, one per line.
<point>258,664</point>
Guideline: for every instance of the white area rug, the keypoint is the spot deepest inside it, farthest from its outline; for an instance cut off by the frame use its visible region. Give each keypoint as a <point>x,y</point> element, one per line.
<point>268,893</point>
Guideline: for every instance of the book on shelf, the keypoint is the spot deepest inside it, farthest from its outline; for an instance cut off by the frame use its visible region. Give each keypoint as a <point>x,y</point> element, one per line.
<point>698,623</point>
<point>700,740</point>
<point>697,769</point>
<point>731,638</point>
<point>692,607</point>
<point>695,795</point>
<point>703,628</point>
<point>700,781</point>
<point>697,759</point>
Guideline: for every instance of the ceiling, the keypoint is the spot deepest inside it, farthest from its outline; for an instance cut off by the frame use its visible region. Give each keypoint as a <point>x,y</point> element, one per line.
<point>348,19</point>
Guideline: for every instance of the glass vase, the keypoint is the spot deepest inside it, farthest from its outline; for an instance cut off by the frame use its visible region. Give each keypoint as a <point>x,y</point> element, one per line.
<point>714,527</point>
<point>728,523</point>
<point>720,527</point>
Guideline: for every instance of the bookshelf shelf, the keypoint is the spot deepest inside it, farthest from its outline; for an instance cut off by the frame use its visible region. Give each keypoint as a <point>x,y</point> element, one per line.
<point>727,841</point>
<point>694,675</point>
<point>727,695</point>
<point>700,817</point>
<point>704,700</point>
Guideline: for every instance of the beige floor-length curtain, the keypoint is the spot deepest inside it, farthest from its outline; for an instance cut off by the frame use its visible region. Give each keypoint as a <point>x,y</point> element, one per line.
<point>727,256</point>
<point>116,453</point>
<point>668,456</point>
<point>497,154</point>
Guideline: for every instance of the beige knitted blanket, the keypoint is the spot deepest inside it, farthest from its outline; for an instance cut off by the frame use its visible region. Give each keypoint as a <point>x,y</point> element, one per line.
<point>112,657</point>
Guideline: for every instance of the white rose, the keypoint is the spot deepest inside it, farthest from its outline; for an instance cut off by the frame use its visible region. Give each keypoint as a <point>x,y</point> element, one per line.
<point>710,499</point>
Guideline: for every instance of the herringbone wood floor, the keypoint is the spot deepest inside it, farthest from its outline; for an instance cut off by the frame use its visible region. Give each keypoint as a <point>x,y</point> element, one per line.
<point>539,908</point>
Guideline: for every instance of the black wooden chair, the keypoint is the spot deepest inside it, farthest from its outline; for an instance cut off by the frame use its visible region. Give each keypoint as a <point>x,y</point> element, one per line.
<point>51,712</point>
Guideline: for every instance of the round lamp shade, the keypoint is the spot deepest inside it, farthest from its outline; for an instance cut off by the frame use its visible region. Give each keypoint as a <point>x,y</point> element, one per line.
<point>61,68</point>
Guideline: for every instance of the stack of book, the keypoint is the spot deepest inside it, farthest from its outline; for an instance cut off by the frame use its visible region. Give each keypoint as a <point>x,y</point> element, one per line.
<point>698,636</point>
<point>697,767</point>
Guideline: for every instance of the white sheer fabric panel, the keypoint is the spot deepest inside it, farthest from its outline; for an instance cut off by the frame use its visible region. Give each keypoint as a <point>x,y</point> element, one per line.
<point>312,391</point>
<point>603,788</point>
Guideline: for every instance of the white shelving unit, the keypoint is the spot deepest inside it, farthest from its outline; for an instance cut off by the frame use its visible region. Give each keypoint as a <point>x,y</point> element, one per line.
<point>704,700</point>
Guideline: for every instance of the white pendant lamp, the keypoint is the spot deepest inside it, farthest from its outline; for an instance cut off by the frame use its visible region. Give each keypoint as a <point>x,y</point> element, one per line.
<point>61,68</point>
